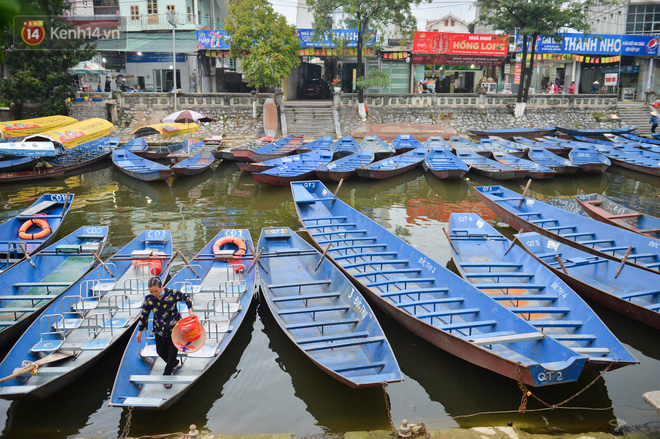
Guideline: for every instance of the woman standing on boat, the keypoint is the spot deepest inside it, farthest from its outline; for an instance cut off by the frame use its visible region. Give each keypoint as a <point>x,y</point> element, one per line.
<point>163,303</point>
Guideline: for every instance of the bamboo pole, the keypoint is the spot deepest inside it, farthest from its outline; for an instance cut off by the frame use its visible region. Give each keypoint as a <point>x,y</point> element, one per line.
<point>623,261</point>
<point>325,252</point>
<point>336,192</point>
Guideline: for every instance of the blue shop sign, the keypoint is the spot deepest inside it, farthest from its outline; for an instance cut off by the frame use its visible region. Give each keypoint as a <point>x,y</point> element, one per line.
<point>212,39</point>
<point>306,37</point>
<point>154,57</point>
<point>596,44</point>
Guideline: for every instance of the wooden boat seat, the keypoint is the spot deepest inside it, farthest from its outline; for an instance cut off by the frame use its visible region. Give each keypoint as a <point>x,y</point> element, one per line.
<point>641,255</point>
<point>353,247</point>
<point>36,297</point>
<point>578,234</point>
<point>418,291</point>
<point>378,263</point>
<point>326,218</point>
<point>654,307</point>
<point>558,228</point>
<point>508,286</point>
<point>352,239</point>
<point>539,309</point>
<point>321,323</point>
<point>430,302</point>
<point>92,237</point>
<point>404,281</point>
<point>529,214</point>
<point>339,232</point>
<point>364,255</point>
<point>509,199</point>
<point>39,207</point>
<point>314,200</point>
<point>116,322</point>
<point>301,284</point>
<point>468,325</point>
<point>574,337</point>
<point>637,294</point>
<point>504,339</point>
<point>66,324</point>
<point>40,284</point>
<point>556,323</point>
<point>333,337</point>
<point>489,334</point>
<point>16,390</point>
<point>653,265</point>
<point>499,274</point>
<point>449,313</point>
<point>47,345</point>
<point>597,241</point>
<point>305,297</point>
<point>323,226</point>
<point>162,379</point>
<point>16,310</point>
<point>372,365</point>
<point>313,309</point>
<point>516,297</point>
<point>345,343</point>
<point>591,351</point>
<point>50,370</point>
<point>625,215</point>
<point>384,272</point>
<point>489,265</point>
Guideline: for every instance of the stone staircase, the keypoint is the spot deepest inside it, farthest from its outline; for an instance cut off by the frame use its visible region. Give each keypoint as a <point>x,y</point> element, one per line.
<point>313,119</point>
<point>635,113</point>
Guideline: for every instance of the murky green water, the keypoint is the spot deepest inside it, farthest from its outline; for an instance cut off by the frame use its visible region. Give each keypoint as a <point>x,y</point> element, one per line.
<point>263,384</point>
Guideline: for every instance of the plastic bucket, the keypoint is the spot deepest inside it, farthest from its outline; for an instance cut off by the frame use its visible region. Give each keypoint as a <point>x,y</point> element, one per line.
<point>189,327</point>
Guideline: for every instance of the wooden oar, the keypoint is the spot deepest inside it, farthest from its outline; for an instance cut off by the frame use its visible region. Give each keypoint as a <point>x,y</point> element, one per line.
<point>185,260</point>
<point>51,358</point>
<point>623,261</point>
<point>27,255</point>
<point>325,252</point>
<point>336,192</point>
<point>96,256</point>
<point>449,239</point>
<point>256,259</point>
<point>529,182</point>
<point>561,264</point>
<point>513,242</point>
<point>66,199</point>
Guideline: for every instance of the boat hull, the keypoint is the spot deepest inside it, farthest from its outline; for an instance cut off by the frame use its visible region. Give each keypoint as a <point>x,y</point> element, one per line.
<point>191,171</point>
<point>277,180</point>
<point>12,177</point>
<point>335,175</point>
<point>253,166</point>
<point>498,175</point>
<point>380,174</point>
<point>507,134</point>
<point>594,168</point>
<point>655,171</point>
<point>151,175</point>
<point>450,174</point>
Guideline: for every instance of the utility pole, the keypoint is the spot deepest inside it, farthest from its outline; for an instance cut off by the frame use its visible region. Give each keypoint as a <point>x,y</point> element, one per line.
<point>171,18</point>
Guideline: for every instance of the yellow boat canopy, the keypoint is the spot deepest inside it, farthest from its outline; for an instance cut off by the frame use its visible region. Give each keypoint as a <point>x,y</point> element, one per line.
<point>167,130</point>
<point>26,127</point>
<point>77,133</point>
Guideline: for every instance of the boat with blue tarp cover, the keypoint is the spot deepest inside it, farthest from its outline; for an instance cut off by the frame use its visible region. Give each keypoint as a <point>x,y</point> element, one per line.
<point>628,290</point>
<point>494,146</point>
<point>86,320</point>
<point>221,282</point>
<point>346,144</point>
<point>138,167</point>
<point>406,142</point>
<point>588,159</point>
<point>33,228</point>
<point>488,167</point>
<point>605,209</point>
<point>286,146</point>
<point>435,141</point>
<point>394,165</point>
<point>544,157</point>
<point>31,284</point>
<point>274,163</point>
<point>85,154</point>
<point>508,275</point>
<point>345,167</point>
<point>322,313</point>
<point>428,299</point>
<point>461,143</point>
<point>596,132</point>
<point>528,214</point>
<point>380,148</point>
<point>532,169</point>
<point>194,165</point>
<point>443,164</point>
<point>508,133</point>
<point>12,164</point>
<point>294,171</point>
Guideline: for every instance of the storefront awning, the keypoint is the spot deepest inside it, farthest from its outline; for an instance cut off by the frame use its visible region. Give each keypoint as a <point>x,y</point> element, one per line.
<point>458,60</point>
<point>186,42</point>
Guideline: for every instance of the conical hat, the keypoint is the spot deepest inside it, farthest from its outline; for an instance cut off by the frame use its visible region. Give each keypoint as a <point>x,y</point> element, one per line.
<point>188,347</point>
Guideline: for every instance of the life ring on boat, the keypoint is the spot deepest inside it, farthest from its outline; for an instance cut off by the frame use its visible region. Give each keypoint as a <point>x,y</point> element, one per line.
<point>41,223</point>
<point>242,247</point>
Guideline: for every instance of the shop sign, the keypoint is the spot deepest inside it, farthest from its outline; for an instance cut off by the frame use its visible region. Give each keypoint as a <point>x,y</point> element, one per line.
<point>458,60</point>
<point>596,44</point>
<point>611,79</point>
<point>212,39</point>
<point>443,43</point>
<point>164,57</point>
<point>345,38</point>
<point>516,76</point>
<point>622,69</point>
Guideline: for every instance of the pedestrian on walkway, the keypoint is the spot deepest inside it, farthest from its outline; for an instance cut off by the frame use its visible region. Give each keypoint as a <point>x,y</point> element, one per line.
<point>571,88</point>
<point>653,122</point>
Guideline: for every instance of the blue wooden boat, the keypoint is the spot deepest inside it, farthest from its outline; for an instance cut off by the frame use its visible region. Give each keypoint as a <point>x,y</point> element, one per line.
<point>544,157</point>
<point>572,229</point>
<point>428,299</point>
<point>494,146</point>
<point>194,165</point>
<point>193,148</point>
<point>138,144</point>
<point>636,159</point>
<point>27,289</point>
<point>460,143</point>
<point>588,159</point>
<point>294,171</point>
<point>605,209</point>
<point>394,165</point>
<point>274,163</point>
<point>224,153</point>
<point>51,208</point>
<point>640,140</point>
<point>322,313</point>
<point>346,167</point>
<point>596,132</point>
<point>532,169</point>
<point>84,155</point>
<point>508,275</point>
<point>443,164</point>
<point>553,139</point>
<point>631,291</point>
<point>280,148</point>
<point>87,319</point>
<point>436,141</point>
<point>322,143</point>
<point>553,147</point>
<point>508,133</point>
<point>406,142</point>
<point>380,148</point>
<point>490,168</point>
<point>138,167</point>
<point>11,164</point>
<point>37,173</point>
<point>162,151</point>
<point>522,146</point>
<point>346,144</point>
<point>222,287</point>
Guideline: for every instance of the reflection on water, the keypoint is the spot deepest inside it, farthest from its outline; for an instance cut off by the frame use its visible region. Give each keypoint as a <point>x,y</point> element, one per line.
<point>263,383</point>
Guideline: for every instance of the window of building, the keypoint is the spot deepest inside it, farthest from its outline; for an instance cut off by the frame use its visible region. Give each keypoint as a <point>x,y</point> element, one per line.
<point>643,19</point>
<point>446,22</point>
<point>170,8</point>
<point>453,22</point>
<point>135,12</point>
<point>152,7</point>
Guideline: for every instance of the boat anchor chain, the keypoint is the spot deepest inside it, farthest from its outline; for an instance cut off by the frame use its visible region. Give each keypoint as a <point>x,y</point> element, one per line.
<point>526,392</point>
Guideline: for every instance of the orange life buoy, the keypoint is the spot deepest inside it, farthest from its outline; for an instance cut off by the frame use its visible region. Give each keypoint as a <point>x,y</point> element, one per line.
<point>41,223</point>
<point>242,247</point>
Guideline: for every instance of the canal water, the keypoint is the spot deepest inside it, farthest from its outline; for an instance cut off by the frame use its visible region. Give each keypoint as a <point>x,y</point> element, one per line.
<point>263,384</point>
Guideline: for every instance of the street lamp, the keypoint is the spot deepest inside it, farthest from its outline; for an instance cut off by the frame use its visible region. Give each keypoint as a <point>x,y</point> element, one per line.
<point>171,18</point>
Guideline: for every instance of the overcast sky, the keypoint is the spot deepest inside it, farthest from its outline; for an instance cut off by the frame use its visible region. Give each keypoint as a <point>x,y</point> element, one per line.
<point>463,9</point>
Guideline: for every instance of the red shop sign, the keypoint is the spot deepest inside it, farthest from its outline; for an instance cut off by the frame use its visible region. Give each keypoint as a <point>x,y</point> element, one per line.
<point>460,44</point>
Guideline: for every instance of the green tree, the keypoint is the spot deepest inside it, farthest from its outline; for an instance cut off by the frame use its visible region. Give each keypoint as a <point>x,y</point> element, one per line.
<point>532,19</point>
<point>265,44</point>
<point>365,16</point>
<point>39,75</point>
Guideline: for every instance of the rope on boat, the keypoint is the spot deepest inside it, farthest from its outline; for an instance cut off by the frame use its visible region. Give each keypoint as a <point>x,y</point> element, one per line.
<point>127,426</point>
<point>387,407</point>
<point>526,392</point>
